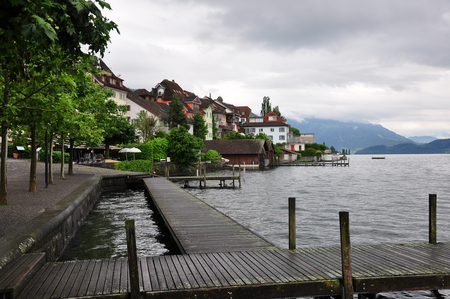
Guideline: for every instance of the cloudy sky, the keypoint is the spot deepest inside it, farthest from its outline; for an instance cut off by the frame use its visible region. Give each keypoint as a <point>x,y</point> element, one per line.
<point>385,62</point>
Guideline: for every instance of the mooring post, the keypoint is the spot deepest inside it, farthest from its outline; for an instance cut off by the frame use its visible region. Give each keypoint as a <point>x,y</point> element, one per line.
<point>432,199</point>
<point>239,176</point>
<point>344,221</point>
<point>132,259</point>
<point>292,236</point>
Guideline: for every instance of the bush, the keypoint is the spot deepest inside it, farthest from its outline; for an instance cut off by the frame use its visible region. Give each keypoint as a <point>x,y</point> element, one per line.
<point>56,156</point>
<point>135,165</point>
<point>211,155</point>
<point>159,146</point>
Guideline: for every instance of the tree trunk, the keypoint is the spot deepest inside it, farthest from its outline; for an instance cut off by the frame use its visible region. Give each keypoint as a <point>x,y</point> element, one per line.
<point>70,172</point>
<point>61,142</point>
<point>32,185</point>
<point>4,156</point>
<point>107,151</point>
<point>50,160</point>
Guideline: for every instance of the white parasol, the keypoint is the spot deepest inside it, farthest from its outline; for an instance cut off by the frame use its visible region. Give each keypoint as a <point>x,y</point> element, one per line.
<point>129,150</point>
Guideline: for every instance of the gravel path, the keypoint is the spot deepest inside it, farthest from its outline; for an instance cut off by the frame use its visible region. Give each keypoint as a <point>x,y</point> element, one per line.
<point>24,205</point>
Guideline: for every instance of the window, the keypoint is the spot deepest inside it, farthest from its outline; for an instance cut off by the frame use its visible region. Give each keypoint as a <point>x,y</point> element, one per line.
<point>114,94</point>
<point>122,96</point>
<point>128,107</point>
<point>270,137</point>
<point>282,129</point>
<point>261,130</point>
<point>282,137</point>
<point>272,130</point>
<point>252,130</point>
<point>272,118</point>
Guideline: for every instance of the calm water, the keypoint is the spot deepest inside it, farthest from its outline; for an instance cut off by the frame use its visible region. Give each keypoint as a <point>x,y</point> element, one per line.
<point>103,234</point>
<point>387,200</point>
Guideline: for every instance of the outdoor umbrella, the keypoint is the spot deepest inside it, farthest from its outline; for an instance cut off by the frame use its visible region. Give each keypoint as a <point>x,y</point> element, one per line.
<point>129,150</point>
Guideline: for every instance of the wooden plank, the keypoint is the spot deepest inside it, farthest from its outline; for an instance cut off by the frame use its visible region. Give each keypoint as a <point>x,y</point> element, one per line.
<point>109,278</point>
<point>144,274</point>
<point>34,287</point>
<point>239,276</point>
<point>65,279</point>
<point>183,267</point>
<point>72,279</point>
<point>171,274</point>
<point>198,274</point>
<point>163,285</point>
<point>124,277</point>
<point>115,283</point>
<point>93,281</point>
<point>208,275</point>
<point>240,269</point>
<point>153,275</point>
<point>223,276</point>
<point>102,277</point>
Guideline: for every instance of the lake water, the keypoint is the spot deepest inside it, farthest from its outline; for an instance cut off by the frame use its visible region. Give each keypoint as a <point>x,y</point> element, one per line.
<point>387,200</point>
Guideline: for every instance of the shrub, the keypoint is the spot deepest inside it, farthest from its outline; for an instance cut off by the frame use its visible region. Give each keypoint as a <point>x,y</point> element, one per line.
<point>135,165</point>
<point>56,156</point>
<point>159,146</point>
<point>211,155</point>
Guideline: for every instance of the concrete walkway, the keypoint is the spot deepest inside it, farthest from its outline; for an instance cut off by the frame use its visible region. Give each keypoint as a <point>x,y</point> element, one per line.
<point>24,205</point>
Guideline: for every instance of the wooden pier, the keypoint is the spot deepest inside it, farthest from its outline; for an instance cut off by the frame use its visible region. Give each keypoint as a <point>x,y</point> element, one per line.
<point>203,179</point>
<point>314,163</point>
<point>222,259</point>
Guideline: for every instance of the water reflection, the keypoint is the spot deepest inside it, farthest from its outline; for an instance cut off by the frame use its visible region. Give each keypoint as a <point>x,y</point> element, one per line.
<point>103,235</point>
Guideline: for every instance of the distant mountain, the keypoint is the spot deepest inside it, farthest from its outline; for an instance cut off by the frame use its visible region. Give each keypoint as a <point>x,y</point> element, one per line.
<point>422,139</point>
<point>440,146</point>
<point>349,135</point>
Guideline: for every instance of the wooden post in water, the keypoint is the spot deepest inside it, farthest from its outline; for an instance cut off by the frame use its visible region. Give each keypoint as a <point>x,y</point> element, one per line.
<point>344,221</point>
<point>132,259</point>
<point>432,199</point>
<point>292,236</point>
<point>239,176</point>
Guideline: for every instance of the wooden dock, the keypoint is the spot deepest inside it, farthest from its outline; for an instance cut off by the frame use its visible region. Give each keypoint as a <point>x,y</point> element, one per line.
<point>223,259</point>
<point>196,226</point>
<point>314,163</point>
<point>203,179</point>
<point>248,274</point>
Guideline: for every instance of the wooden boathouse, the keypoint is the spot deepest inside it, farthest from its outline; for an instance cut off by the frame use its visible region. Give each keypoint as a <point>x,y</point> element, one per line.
<point>222,259</point>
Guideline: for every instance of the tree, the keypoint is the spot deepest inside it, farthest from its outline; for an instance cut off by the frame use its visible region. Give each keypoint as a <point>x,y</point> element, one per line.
<point>177,117</point>
<point>183,147</point>
<point>146,125</point>
<point>266,107</point>
<point>39,40</point>
<point>294,131</point>
<point>236,135</point>
<point>276,110</point>
<point>200,128</point>
<point>119,131</point>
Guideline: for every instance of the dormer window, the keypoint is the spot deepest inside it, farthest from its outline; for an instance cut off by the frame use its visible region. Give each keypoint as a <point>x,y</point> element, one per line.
<point>272,118</point>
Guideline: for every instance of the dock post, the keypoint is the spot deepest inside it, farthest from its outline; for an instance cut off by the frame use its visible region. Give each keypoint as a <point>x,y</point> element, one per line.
<point>344,221</point>
<point>239,176</point>
<point>292,233</point>
<point>432,199</point>
<point>132,259</point>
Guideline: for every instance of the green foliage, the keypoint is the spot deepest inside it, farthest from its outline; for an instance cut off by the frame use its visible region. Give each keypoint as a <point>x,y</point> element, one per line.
<point>182,147</point>
<point>147,125</point>
<point>261,136</point>
<point>214,128</point>
<point>119,131</point>
<point>317,146</point>
<point>135,165</point>
<point>237,135</point>
<point>310,152</point>
<point>211,155</point>
<point>177,117</point>
<point>159,146</point>
<point>294,131</point>
<point>266,107</point>
<point>56,156</point>
<point>160,134</point>
<point>200,128</point>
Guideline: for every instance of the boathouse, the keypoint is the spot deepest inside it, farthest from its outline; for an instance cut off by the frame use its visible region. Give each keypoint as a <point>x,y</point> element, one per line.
<point>244,151</point>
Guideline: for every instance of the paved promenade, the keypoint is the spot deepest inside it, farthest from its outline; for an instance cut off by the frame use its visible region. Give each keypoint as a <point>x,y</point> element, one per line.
<point>24,205</point>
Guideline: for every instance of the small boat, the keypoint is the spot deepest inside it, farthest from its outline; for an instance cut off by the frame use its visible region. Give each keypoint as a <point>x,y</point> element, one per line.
<point>377,157</point>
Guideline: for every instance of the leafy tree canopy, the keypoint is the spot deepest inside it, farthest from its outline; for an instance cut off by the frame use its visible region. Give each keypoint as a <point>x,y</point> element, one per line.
<point>177,117</point>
